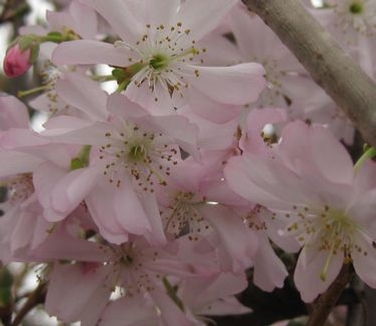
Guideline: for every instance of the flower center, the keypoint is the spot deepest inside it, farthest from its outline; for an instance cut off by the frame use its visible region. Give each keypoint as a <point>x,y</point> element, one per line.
<point>336,236</point>
<point>160,56</point>
<point>329,229</point>
<point>143,155</point>
<point>181,217</point>
<point>19,187</point>
<point>137,152</point>
<point>158,62</point>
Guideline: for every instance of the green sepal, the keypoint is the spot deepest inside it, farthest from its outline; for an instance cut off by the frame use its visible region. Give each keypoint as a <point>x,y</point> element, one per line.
<point>82,159</point>
<point>25,42</point>
<point>119,75</point>
<point>55,37</point>
<point>369,153</point>
<point>123,76</point>
<point>76,163</point>
<point>34,53</point>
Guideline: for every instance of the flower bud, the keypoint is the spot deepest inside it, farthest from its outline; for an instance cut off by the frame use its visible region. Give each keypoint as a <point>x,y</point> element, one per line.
<point>17,61</point>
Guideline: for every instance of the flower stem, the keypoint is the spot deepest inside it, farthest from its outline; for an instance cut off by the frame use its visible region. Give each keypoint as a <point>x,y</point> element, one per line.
<point>369,153</point>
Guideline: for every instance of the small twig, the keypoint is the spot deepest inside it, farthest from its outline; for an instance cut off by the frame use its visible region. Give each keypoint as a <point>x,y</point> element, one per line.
<point>356,313</point>
<point>325,303</point>
<point>35,298</point>
<point>9,13</point>
<point>330,67</point>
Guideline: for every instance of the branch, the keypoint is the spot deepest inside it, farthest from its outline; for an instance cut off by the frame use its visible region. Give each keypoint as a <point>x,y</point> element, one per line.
<point>325,303</point>
<point>9,14</point>
<point>356,315</point>
<point>35,298</point>
<point>330,67</point>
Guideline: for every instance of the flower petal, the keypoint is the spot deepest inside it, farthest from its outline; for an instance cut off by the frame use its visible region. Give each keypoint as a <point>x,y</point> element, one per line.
<point>239,84</point>
<point>90,52</point>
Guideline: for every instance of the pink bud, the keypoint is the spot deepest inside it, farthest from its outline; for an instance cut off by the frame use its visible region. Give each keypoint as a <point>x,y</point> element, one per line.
<point>16,62</point>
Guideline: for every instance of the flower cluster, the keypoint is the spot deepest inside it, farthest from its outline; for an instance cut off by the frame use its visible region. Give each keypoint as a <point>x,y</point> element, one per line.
<point>147,202</point>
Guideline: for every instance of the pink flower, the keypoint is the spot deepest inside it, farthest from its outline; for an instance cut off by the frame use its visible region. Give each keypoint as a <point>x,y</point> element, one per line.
<point>160,57</point>
<point>310,184</point>
<point>286,78</point>
<point>16,61</point>
<point>81,290</point>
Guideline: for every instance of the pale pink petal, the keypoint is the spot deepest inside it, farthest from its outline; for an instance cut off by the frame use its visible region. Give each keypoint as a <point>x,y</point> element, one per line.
<point>100,206</point>
<point>70,130</point>
<point>45,177</point>
<point>202,291</point>
<point>122,106</point>
<point>74,294</point>
<point>157,101</point>
<point>210,14</point>
<point>85,20</point>
<point>13,113</point>
<point>84,94</point>
<point>238,85</point>
<point>364,208</point>
<point>63,124</point>
<point>129,311</point>
<point>225,306</point>
<point>310,265</point>
<point>211,135</point>
<point>364,260</point>
<point>254,39</point>
<point>365,179</point>
<point>235,237</point>
<point>23,231</point>
<point>170,312</point>
<point>14,162</point>
<point>269,270</point>
<point>264,182</point>
<point>258,118</point>
<point>214,111</point>
<point>59,245</point>
<point>73,188</point>
<point>19,138</point>
<point>129,210</point>
<point>157,236</point>
<point>83,52</point>
<point>330,156</point>
<point>120,16</point>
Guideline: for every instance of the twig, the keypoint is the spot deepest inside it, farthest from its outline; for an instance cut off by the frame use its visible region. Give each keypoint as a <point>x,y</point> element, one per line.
<point>9,13</point>
<point>356,315</point>
<point>35,298</point>
<point>330,67</point>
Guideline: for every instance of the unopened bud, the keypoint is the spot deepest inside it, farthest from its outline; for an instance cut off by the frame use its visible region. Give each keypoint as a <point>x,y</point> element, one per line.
<point>16,61</point>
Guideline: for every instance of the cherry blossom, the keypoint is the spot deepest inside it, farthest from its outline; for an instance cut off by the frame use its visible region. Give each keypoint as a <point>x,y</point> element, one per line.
<point>157,201</point>
<point>310,183</point>
<point>160,57</point>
